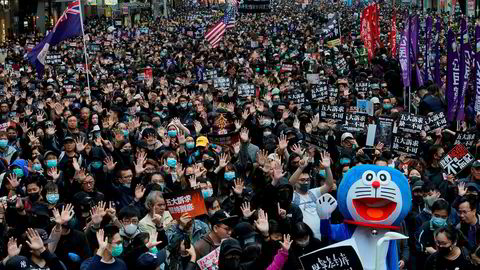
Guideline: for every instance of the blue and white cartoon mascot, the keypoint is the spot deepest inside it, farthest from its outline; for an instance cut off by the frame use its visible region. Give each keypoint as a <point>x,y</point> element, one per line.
<point>374,200</point>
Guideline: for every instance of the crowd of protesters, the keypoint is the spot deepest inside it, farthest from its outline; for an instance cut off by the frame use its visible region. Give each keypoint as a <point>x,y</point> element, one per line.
<point>84,171</point>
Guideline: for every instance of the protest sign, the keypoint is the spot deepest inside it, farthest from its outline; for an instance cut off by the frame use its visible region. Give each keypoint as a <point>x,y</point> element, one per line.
<point>365,107</point>
<point>286,68</point>
<point>384,130</point>
<point>411,123</point>
<point>191,202</point>
<point>320,90</point>
<point>362,88</point>
<point>338,258</point>
<point>403,145</point>
<point>465,138</point>
<point>254,7</point>
<point>95,47</point>
<point>246,90</point>
<point>148,74</point>
<point>221,83</point>
<point>53,59</point>
<point>355,122</point>
<point>209,261</point>
<point>297,96</point>
<point>456,160</point>
<point>333,112</point>
<point>210,74</point>
<point>319,141</point>
<point>334,43</point>
<point>435,121</point>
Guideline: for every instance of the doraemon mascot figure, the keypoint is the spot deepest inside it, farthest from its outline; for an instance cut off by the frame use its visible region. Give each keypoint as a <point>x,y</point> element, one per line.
<point>373,200</point>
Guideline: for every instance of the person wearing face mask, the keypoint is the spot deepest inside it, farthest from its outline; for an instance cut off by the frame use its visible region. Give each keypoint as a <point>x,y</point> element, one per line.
<point>450,255</point>
<point>230,255</point>
<point>7,152</point>
<point>434,172</point>
<point>109,249</point>
<point>129,218</point>
<point>431,194</point>
<point>303,242</point>
<point>425,243</point>
<point>51,194</point>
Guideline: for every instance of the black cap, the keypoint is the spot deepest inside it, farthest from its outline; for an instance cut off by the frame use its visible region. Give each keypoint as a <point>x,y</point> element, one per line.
<point>230,246</point>
<point>68,138</point>
<point>476,164</point>
<point>221,217</point>
<point>473,187</point>
<point>150,261</point>
<point>17,262</point>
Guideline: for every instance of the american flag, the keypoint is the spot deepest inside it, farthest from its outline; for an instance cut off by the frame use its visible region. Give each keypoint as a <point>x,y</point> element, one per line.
<point>215,34</point>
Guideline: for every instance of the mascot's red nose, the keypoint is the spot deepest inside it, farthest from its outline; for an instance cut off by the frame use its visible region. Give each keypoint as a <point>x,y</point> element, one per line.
<point>376,184</point>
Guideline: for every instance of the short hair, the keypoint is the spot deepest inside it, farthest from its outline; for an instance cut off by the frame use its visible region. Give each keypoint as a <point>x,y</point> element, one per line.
<point>128,211</point>
<point>210,201</point>
<point>472,201</point>
<point>441,204</point>
<point>450,232</point>
<point>110,231</point>
<point>429,186</point>
<point>151,197</point>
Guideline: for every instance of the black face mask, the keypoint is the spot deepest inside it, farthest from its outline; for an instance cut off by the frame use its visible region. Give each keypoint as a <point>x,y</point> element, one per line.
<point>208,164</point>
<point>418,199</point>
<point>232,264</point>
<point>34,196</point>
<point>444,251</point>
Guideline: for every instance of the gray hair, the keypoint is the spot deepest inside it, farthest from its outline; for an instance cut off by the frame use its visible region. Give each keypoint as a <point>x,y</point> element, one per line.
<point>152,197</point>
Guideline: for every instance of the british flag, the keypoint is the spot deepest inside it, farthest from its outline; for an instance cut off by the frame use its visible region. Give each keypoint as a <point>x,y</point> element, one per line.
<point>69,25</point>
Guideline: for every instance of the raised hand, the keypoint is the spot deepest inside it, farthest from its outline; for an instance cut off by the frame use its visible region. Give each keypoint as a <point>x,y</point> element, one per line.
<point>80,144</point>
<point>462,190</point>
<point>315,120</point>
<point>286,242</point>
<point>278,171</point>
<point>246,210</point>
<point>223,161</point>
<point>152,240</point>
<point>75,164</point>
<point>98,212</point>
<point>282,142</point>
<point>326,161</point>
<point>34,240</point>
<point>236,147</point>
<point>239,186</point>
<point>282,213</point>
<point>50,131</point>
<point>238,125</point>
<point>262,222</point>
<point>41,116</point>
<point>308,128</point>
<point>12,248</point>
<point>193,181</point>
<point>297,149</point>
<point>296,123</point>
<point>244,135</point>
<point>109,163</point>
<point>139,192</point>
<point>262,157</point>
<point>111,212</point>
<point>140,164</point>
<point>13,180</point>
<point>102,241</point>
<point>198,126</point>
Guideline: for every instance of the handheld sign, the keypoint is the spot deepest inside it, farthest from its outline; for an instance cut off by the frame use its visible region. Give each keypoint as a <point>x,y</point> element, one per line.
<point>53,59</point>
<point>411,123</point>
<point>333,112</point>
<point>221,83</point>
<point>297,96</point>
<point>355,122</point>
<point>465,138</point>
<point>332,258</point>
<point>320,90</point>
<point>435,121</point>
<point>456,160</point>
<point>209,261</point>
<point>246,90</point>
<point>384,130</point>
<point>408,146</point>
<point>313,78</point>
<point>190,202</point>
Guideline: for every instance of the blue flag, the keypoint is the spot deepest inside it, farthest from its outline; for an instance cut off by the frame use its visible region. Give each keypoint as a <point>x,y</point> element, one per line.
<point>68,25</point>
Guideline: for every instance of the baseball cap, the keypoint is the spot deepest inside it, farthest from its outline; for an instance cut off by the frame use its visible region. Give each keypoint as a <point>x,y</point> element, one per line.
<point>229,246</point>
<point>222,217</point>
<point>202,141</point>
<point>17,262</point>
<point>150,261</point>
<point>473,187</point>
<point>375,100</point>
<point>49,153</point>
<point>346,135</point>
<point>476,164</point>
<point>68,138</point>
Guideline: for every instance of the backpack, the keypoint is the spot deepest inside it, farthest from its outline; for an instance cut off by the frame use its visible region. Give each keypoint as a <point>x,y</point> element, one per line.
<point>296,198</point>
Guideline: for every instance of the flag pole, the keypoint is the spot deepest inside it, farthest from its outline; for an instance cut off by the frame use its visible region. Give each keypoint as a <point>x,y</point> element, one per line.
<point>85,48</point>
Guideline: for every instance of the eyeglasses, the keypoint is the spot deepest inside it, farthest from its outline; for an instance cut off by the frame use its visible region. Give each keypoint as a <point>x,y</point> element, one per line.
<point>226,228</point>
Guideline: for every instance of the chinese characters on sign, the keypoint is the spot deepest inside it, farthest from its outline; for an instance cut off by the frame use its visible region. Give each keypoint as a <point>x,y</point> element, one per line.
<point>336,258</point>
<point>465,138</point>
<point>333,112</point>
<point>361,88</point>
<point>297,96</point>
<point>411,123</point>
<point>320,90</point>
<point>435,121</point>
<point>456,160</point>
<point>209,261</point>
<point>221,83</point>
<point>190,202</point>
<point>210,74</point>
<point>246,90</point>
<point>52,59</point>
<point>403,145</point>
<point>355,122</point>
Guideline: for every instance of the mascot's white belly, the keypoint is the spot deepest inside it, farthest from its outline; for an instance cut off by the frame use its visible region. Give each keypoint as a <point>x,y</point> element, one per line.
<point>366,248</point>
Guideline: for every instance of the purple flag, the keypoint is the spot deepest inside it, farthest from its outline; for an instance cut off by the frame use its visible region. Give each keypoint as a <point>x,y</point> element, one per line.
<point>404,55</point>
<point>465,58</point>
<point>428,54</point>
<point>68,25</point>
<point>477,68</point>
<point>453,76</point>
<point>414,37</point>
<point>438,28</point>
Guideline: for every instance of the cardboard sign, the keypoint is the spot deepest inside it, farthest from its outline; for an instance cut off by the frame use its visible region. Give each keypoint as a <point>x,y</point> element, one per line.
<point>411,123</point>
<point>209,261</point>
<point>313,78</point>
<point>456,160</point>
<point>221,83</point>
<point>435,121</point>
<point>246,90</point>
<point>384,130</point>
<point>320,90</point>
<point>403,145</point>
<point>297,96</point>
<point>465,138</point>
<point>333,112</point>
<point>53,59</point>
<point>355,122</point>
<point>335,258</point>
<point>190,202</point>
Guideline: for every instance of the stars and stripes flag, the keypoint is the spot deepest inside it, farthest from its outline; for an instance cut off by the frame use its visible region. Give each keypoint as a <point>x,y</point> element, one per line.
<point>215,34</point>
<point>69,25</point>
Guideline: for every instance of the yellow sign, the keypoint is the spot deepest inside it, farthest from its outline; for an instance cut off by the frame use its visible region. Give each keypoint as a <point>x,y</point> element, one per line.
<point>108,12</point>
<point>111,2</point>
<point>334,43</point>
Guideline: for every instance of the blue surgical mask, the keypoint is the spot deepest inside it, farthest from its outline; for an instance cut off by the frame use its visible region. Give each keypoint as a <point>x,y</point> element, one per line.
<point>387,106</point>
<point>229,176</point>
<point>125,133</point>
<point>171,162</point>
<point>18,172</point>
<point>344,161</point>
<point>53,198</point>
<point>207,193</point>
<point>172,133</point>
<point>37,167</point>
<point>52,163</point>
<point>190,145</point>
<point>162,186</point>
<point>322,173</point>
<point>3,143</point>
<point>96,164</point>
<point>154,250</point>
<point>183,104</point>
<point>117,250</point>
<point>437,222</point>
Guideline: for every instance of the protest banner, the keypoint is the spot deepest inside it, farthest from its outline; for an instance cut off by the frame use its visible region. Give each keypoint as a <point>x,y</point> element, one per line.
<point>297,96</point>
<point>411,123</point>
<point>334,43</point>
<point>435,121</point>
<point>209,261</point>
<point>337,258</point>
<point>355,122</point>
<point>221,83</point>
<point>191,202</point>
<point>210,74</point>
<point>332,112</point>
<point>246,90</point>
<point>53,59</point>
<point>456,160</point>
<point>148,74</point>
<point>465,138</point>
<point>254,7</point>
<point>320,90</point>
<point>403,145</point>
<point>313,78</point>
<point>384,130</point>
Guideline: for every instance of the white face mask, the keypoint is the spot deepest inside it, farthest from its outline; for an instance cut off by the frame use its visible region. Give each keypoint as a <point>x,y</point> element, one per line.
<point>266,133</point>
